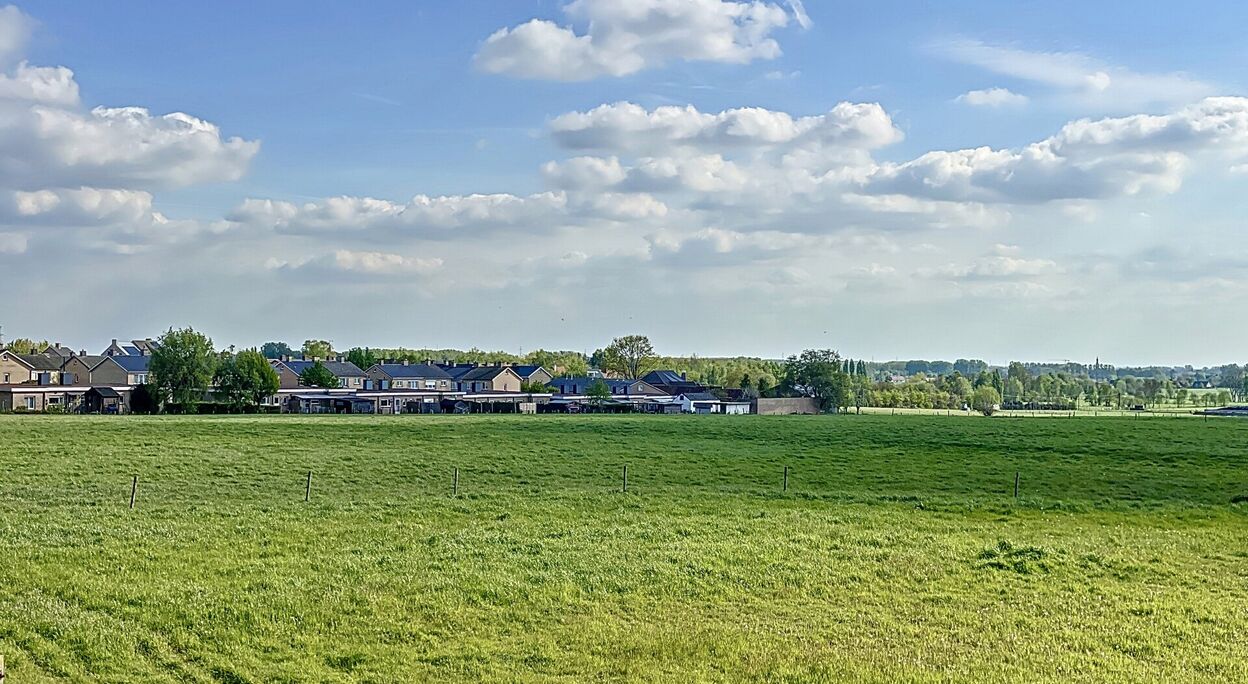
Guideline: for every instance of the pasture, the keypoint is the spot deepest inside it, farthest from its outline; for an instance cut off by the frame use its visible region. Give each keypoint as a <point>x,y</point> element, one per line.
<point>898,553</point>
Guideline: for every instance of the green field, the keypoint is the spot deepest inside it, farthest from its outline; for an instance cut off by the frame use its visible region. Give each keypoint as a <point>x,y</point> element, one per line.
<point>898,554</point>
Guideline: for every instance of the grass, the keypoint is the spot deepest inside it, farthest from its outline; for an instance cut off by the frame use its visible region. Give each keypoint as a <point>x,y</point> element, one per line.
<point>899,553</point>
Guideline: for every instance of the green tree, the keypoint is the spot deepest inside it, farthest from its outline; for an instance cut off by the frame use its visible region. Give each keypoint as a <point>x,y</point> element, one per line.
<point>986,400</point>
<point>317,349</point>
<point>245,379</point>
<point>598,393</point>
<point>182,366</point>
<point>317,375</point>
<point>25,345</point>
<point>276,350</point>
<point>362,358</point>
<point>817,373</point>
<point>630,356</point>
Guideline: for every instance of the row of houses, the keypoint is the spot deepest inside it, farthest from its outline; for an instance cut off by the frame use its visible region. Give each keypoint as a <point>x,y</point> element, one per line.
<point>58,379</point>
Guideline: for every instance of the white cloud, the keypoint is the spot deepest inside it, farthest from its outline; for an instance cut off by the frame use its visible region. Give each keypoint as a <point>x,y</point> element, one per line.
<point>12,243</point>
<point>993,97</point>
<point>1087,159</point>
<point>799,14</point>
<point>625,126</point>
<point>361,263</point>
<point>423,216</point>
<point>622,38</point>
<point>46,85</point>
<point>1081,78</point>
<point>15,30</point>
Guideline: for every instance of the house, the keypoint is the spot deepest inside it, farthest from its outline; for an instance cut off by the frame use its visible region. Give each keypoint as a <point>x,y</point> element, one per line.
<point>120,370</point>
<point>673,383</point>
<point>79,367</point>
<point>56,350</point>
<point>14,369</point>
<point>348,374</point>
<point>134,348</point>
<point>42,398</point>
<point>700,402</point>
<point>533,374</point>
<point>627,388</point>
<point>40,369</point>
<point>406,375</point>
<point>471,377</point>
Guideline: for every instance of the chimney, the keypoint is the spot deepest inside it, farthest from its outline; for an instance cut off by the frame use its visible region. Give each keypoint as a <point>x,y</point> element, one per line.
<point>285,358</point>
<point>114,341</point>
<point>498,364</point>
<point>406,362</point>
<point>684,376</point>
<point>82,352</point>
<point>146,352</point>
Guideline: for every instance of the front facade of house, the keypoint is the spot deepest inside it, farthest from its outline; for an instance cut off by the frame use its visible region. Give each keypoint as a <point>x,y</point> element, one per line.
<point>13,369</point>
<point>475,378</point>
<point>120,370</point>
<point>348,374</point>
<point>414,376</point>
<point>533,374</point>
<point>628,388</point>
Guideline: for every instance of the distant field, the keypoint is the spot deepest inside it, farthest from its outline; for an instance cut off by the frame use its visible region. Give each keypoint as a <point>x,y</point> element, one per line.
<point>898,554</point>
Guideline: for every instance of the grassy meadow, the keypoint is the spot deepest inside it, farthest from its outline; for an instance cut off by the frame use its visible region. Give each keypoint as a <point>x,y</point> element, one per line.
<point>898,554</point>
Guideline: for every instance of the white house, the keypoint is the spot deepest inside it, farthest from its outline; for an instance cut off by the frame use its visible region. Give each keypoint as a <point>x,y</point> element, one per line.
<point>700,402</point>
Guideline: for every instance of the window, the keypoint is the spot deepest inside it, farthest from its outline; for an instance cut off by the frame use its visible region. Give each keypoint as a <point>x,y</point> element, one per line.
<point>30,403</point>
<point>6,378</point>
<point>385,402</point>
<point>431,384</point>
<point>54,400</point>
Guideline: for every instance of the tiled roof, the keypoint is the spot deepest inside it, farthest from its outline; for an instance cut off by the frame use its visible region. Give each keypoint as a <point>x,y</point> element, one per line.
<point>133,364</point>
<point>419,370</point>
<point>42,362</point>
<point>340,369</point>
<point>700,396</point>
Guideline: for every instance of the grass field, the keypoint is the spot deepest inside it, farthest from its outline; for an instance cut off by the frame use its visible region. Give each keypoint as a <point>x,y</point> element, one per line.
<point>898,553</point>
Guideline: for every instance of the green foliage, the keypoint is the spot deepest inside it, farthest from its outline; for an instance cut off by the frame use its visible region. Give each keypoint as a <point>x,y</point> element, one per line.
<point>144,400</point>
<point>818,373</point>
<point>276,350</point>
<point>631,356</point>
<point>883,563</point>
<point>317,375</point>
<point>598,392</point>
<point>182,367</point>
<point>986,400</point>
<point>25,345</point>
<point>317,349</point>
<point>245,379</point>
<point>363,358</point>
<point>535,387</point>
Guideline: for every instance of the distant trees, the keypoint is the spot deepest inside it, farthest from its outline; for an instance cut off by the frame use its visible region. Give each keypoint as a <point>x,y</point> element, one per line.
<point>25,345</point>
<point>629,356</point>
<point>317,349</point>
<point>245,379</point>
<point>986,400</point>
<point>818,373</point>
<point>317,375</point>
<point>363,358</point>
<point>276,350</point>
<point>182,367</point>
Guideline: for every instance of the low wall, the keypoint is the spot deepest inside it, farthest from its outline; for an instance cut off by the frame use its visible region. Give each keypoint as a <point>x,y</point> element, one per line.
<point>786,407</point>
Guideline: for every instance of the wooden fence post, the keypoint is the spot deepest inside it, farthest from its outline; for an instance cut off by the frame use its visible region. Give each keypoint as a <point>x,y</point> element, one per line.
<point>134,490</point>
<point>307,492</point>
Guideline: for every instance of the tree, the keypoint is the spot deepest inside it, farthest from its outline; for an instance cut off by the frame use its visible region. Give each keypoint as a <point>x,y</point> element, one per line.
<point>629,356</point>
<point>817,373</point>
<point>317,375</point>
<point>317,349</point>
<point>25,345</point>
<point>534,387</point>
<point>143,400</point>
<point>276,350</point>
<point>182,366</point>
<point>986,400</point>
<point>598,393</point>
<point>245,379</point>
<point>362,358</point>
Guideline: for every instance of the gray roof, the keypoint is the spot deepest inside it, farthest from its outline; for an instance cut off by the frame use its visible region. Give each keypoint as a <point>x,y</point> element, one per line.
<point>483,373</point>
<point>415,370</point>
<point>340,369</point>
<point>42,362</point>
<point>526,372</point>
<point>700,396</point>
<point>133,364</point>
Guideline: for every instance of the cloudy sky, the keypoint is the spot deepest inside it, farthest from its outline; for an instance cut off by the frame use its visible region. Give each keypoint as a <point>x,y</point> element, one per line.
<point>1037,180</point>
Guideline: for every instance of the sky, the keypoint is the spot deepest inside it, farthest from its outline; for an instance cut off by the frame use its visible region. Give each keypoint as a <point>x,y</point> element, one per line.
<point>1029,180</point>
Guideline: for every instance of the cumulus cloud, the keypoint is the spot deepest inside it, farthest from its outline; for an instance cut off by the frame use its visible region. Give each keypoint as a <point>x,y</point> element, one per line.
<point>1087,159</point>
<point>423,216</point>
<point>625,126</point>
<point>15,30</point>
<point>993,97</point>
<point>1082,79</point>
<point>378,264</point>
<point>621,38</point>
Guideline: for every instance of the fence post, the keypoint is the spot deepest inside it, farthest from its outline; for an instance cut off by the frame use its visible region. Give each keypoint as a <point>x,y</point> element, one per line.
<point>786,478</point>
<point>307,492</point>
<point>625,489</point>
<point>1016,484</point>
<point>455,483</point>
<point>134,490</point>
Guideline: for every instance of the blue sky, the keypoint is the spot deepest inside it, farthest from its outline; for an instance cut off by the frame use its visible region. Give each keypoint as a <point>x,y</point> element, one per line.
<point>731,241</point>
